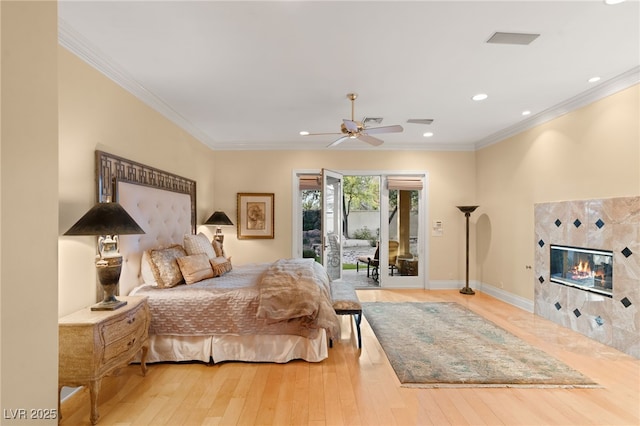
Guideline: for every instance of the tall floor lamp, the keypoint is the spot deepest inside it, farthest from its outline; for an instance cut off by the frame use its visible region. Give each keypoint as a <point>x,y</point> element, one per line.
<point>467,210</point>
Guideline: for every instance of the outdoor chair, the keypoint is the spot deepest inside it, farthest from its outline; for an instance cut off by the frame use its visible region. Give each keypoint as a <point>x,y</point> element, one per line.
<point>373,263</point>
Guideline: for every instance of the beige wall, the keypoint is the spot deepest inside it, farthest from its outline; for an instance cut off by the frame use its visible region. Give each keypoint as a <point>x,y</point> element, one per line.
<point>96,113</point>
<point>29,210</point>
<point>593,152</point>
<point>451,177</point>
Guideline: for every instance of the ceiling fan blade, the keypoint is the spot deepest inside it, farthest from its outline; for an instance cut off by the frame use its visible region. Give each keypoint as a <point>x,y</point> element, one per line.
<point>322,134</point>
<point>351,125</point>
<point>337,141</point>
<point>383,129</point>
<point>370,139</point>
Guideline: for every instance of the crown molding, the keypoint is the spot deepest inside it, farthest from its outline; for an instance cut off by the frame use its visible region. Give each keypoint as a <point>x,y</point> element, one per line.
<point>78,45</point>
<point>607,88</point>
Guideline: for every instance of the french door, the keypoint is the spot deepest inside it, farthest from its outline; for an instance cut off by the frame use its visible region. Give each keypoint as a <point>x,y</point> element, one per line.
<point>332,223</point>
<point>403,248</point>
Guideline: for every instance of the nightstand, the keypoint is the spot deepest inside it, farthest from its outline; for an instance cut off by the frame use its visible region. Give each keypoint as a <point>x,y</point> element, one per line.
<point>92,344</point>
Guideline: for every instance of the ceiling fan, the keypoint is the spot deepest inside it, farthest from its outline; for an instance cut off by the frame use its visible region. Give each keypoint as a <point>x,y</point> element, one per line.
<point>352,129</point>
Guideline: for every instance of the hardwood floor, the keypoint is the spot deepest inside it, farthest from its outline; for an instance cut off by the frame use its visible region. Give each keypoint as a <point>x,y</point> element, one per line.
<point>355,387</point>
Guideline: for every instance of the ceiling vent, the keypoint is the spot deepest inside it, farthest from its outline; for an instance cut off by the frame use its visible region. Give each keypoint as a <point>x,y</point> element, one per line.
<point>512,38</point>
<point>420,120</point>
<point>371,120</point>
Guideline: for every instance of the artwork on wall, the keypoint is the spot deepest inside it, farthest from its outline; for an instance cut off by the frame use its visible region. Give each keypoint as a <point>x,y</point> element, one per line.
<point>255,215</point>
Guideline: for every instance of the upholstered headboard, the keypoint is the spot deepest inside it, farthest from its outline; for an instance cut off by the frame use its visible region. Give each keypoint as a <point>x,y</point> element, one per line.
<point>162,203</point>
<point>165,217</point>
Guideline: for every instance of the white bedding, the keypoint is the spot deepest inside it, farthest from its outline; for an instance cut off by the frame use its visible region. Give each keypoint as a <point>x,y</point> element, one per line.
<point>216,320</point>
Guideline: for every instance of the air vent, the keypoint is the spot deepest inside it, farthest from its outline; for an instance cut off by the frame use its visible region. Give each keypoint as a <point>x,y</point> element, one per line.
<point>512,38</point>
<point>372,120</point>
<point>420,120</point>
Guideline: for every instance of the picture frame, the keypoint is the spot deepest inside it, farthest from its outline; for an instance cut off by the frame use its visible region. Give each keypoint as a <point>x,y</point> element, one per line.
<point>255,215</point>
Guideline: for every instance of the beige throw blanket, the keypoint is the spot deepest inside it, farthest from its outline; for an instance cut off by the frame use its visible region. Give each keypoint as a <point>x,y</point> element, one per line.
<point>297,288</point>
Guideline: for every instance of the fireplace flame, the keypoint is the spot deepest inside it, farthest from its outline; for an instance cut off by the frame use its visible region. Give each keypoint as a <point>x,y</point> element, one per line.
<point>581,271</point>
<point>583,267</point>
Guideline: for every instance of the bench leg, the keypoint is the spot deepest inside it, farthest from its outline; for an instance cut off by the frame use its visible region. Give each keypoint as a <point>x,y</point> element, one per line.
<point>358,319</point>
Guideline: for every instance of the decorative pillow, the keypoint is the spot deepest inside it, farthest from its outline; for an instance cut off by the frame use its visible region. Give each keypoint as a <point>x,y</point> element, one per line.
<point>221,265</point>
<point>145,269</point>
<point>165,267</point>
<point>197,244</point>
<point>195,268</point>
<point>218,248</point>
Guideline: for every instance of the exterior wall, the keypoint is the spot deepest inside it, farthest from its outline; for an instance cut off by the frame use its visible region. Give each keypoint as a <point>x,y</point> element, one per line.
<point>606,224</point>
<point>590,153</point>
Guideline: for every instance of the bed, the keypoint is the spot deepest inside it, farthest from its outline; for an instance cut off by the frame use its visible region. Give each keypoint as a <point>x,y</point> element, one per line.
<point>269,312</point>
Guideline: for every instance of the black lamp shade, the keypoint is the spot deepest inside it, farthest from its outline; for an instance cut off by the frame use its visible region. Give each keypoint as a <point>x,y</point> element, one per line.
<point>218,218</point>
<point>105,219</point>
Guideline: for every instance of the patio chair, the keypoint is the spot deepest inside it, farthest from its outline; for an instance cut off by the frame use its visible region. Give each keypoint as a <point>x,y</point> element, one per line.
<point>374,263</point>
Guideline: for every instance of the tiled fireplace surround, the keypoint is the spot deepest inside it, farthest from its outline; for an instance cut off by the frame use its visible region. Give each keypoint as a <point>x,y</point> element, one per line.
<point>608,224</point>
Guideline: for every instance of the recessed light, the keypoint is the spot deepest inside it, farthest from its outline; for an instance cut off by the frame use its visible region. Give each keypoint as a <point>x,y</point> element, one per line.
<point>594,79</point>
<point>427,134</point>
<point>304,133</point>
<point>612,2</point>
<point>480,97</point>
<point>526,112</point>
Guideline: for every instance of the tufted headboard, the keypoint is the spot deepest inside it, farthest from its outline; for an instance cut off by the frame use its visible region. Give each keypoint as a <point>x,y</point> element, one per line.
<point>162,203</point>
<point>165,217</point>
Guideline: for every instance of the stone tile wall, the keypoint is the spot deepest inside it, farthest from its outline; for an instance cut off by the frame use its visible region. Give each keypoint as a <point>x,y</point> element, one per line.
<point>608,224</point>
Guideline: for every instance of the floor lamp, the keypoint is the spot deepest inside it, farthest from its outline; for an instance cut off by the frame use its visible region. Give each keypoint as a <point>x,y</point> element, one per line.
<point>467,210</point>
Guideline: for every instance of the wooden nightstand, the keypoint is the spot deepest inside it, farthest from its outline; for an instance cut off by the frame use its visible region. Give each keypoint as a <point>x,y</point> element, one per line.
<point>92,344</point>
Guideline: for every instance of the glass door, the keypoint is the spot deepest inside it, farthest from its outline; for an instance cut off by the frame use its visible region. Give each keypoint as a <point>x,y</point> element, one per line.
<point>332,223</point>
<point>400,253</point>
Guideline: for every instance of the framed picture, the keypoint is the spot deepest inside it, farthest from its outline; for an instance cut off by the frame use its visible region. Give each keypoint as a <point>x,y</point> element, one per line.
<point>255,215</point>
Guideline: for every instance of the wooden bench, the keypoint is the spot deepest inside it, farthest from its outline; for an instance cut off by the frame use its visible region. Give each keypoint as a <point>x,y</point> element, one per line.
<point>346,302</point>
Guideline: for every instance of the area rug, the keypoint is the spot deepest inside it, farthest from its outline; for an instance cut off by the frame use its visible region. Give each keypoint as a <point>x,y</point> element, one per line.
<point>447,345</point>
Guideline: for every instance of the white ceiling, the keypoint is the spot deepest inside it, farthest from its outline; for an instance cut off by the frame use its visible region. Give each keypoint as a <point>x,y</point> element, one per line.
<point>252,75</point>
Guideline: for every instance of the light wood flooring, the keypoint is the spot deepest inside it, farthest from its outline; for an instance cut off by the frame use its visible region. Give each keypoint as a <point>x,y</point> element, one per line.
<point>355,387</point>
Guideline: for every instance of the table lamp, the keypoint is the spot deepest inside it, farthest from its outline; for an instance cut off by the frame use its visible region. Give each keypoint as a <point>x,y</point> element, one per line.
<point>218,219</point>
<point>107,221</point>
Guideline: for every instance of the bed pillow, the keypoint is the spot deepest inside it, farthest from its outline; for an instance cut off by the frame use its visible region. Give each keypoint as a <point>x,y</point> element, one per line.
<point>221,265</point>
<point>218,248</point>
<point>146,270</point>
<point>195,268</point>
<point>197,244</point>
<point>165,266</point>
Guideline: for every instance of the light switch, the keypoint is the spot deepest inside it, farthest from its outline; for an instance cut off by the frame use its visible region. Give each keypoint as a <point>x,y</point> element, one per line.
<point>436,230</point>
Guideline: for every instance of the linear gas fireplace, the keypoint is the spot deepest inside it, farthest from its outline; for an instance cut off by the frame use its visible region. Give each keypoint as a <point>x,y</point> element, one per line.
<point>583,268</point>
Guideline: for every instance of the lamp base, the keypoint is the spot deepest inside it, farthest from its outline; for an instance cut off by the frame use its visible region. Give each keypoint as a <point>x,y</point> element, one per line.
<point>467,290</point>
<point>108,270</point>
<point>109,306</point>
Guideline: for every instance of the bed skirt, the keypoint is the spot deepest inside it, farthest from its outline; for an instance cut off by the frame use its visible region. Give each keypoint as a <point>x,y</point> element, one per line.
<point>249,348</point>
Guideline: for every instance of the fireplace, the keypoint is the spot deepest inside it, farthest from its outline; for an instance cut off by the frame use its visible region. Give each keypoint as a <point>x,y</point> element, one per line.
<point>582,268</point>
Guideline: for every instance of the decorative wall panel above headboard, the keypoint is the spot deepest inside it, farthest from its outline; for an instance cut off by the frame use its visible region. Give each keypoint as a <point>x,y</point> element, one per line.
<point>111,169</point>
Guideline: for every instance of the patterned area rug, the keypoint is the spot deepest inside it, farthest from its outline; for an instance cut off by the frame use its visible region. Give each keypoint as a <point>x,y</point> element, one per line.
<point>447,345</point>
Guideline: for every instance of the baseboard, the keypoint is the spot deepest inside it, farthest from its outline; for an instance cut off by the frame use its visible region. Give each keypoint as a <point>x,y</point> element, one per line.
<point>505,296</point>
<point>498,293</point>
<point>447,285</point>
